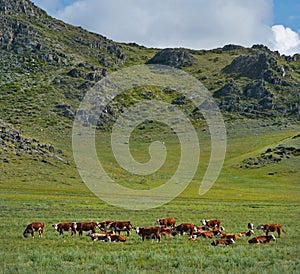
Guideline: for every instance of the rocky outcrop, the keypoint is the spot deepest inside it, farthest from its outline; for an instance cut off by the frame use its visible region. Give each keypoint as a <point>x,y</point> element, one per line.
<point>14,141</point>
<point>273,155</point>
<point>177,58</point>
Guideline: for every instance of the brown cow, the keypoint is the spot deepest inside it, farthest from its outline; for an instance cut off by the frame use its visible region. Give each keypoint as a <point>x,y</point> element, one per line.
<point>166,231</point>
<point>223,242</point>
<point>166,222</point>
<point>187,228</point>
<point>262,239</point>
<point>61,227</point>
<point>271,228</point>
<point>152,232</point>
<point>103,225</point>
<point>120,226</point>
<point>211,223</point>
<point>33,227</point>
<point>84,226</point>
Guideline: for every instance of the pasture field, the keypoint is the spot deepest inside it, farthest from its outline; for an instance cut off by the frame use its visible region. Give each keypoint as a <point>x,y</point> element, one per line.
<point>53,192</point>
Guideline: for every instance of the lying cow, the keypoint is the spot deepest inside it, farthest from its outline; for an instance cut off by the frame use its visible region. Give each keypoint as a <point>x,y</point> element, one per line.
<point>271,228</point>
<point>166,222</point>
<point>120,226</point>
<point>152,232</point>
<point>106,237</point>
<point>228,236</point>
<point>248,233</point>
<point>61,227</point>
<point>34,227</point>
<point>184,228</point>
<point>211,223</point>
<point>84,226</point>
<point>223,242</point>
<point>262,239</point>
<point>205,234</point>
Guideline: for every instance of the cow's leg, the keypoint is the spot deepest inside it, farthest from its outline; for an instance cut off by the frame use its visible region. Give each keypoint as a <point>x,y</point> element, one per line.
<point>278,231</point>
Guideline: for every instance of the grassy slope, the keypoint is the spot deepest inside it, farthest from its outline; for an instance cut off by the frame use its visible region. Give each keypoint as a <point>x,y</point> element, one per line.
<point>33,190</point>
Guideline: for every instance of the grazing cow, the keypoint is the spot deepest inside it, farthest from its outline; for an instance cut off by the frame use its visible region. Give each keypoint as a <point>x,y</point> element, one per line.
<point>223,242</point>
<point>166,222</point>
<point>248,233</point>
<point>250,226</point>
<point>84,226</point>
<point>61,227</point>
<point>211,223</point>
<point>103,225</point>
<point>218,228</point>
<point>152,232</point>
<point>120,226</point>
<point>262,239</point>
<point>271,228</point>
<point>187,228</point>
<point>34,227</point>
<point>229,236</point>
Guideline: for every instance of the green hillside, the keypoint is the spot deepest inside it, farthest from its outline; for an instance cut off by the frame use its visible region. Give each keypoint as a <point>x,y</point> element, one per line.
<point>46,69</point>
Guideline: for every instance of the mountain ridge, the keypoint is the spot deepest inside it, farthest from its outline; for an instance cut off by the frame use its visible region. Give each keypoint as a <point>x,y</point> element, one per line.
<point>48,65</point>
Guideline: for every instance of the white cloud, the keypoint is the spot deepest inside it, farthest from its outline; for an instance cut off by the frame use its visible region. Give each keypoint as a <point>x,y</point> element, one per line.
<point>175,23</point>
<point>286,41</point>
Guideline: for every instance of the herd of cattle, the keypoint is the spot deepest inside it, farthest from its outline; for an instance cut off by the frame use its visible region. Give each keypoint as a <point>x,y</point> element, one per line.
<point>110,231</point>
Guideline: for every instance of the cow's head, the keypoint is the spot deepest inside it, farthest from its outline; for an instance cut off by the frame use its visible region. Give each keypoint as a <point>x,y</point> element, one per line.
<point>74,225</point>
<point>137,229</point>
<point>231,241</point>
<point>27,232</point>
<point>55,226</point>
<point>157,222</point>
<point>250,226</point>
<point>251,231</point>
<point>203,222</point>
<point>272,238</point>
<point>260,227</point>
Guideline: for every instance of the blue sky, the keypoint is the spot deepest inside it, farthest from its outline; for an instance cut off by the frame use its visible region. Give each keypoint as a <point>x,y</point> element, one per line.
<point>197,24</point>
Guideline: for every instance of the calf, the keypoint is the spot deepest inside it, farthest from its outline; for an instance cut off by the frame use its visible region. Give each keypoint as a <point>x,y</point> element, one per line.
<point>187,228</point>
<point>120,226</point>
<point>223,242</point>
<point>262,239</point>
<point>34,227</point>
<point>166,222</point>
<point>211,223</point>
<point>152,232</point>
<point>271,228</point>
<point>61,227</point>
<point>84,226</point>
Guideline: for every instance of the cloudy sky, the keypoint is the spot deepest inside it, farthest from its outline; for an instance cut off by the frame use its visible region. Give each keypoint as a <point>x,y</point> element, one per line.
<point>196,24</point>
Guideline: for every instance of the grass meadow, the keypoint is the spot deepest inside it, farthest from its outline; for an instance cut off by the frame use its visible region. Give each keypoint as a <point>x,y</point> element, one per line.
<point>53,192</point>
